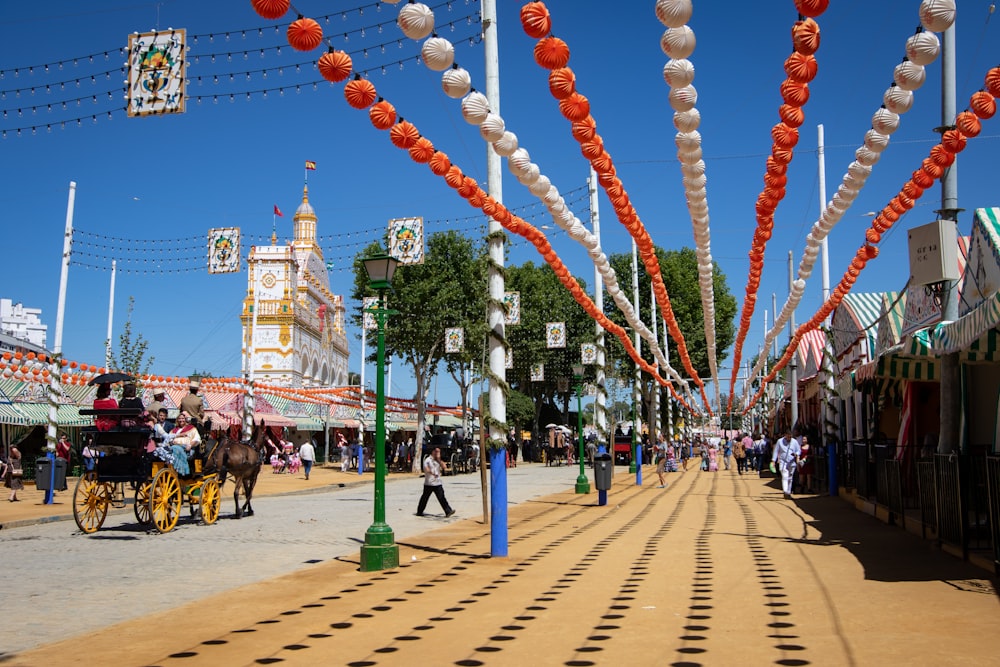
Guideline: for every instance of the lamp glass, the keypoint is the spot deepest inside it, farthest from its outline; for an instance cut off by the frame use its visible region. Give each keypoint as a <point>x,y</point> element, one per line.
<point>578,370</point>
<point>380,270</point>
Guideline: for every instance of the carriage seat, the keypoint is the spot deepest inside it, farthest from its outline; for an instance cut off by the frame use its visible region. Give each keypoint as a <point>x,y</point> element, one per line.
<point>115,416</point>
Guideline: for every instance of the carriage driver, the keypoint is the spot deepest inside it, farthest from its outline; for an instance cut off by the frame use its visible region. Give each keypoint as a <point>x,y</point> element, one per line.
<point>192,404</point>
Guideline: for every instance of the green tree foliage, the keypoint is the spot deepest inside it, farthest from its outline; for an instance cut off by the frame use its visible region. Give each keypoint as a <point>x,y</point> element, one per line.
<point>447,290</point>
<point>131,354</point>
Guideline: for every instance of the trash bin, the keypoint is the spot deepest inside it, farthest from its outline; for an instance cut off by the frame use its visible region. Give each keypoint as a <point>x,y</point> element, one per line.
<point>43,474</point>
<point>604,469</point>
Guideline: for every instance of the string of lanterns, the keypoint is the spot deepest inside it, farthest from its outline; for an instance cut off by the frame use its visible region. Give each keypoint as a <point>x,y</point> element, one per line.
<point>922,49</point>
<point>552,53</point>
<point>982,105</point>
<point>800,69</point>
<point>678,44</point>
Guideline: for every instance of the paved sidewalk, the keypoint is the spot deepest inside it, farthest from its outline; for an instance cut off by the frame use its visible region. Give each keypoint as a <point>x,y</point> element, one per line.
<point>717,569</point>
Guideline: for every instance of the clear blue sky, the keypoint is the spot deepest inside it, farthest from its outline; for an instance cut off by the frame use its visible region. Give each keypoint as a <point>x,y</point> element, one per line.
<point>148,189</point>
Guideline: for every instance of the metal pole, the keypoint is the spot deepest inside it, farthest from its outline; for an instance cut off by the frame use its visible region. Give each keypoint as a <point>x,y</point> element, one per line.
<point>654,400</point>
<point>600,403</point>
<point>380,552</point>
<point>949,439</point>
<point>829,444</point>
<point>794,376</point>
<point>111,315</point>
<point>670,402</point>
<point>64,272</point>
<point>495,316</point>
<point>55,368</point>
<point>582,483</point>
<point>635,465</point>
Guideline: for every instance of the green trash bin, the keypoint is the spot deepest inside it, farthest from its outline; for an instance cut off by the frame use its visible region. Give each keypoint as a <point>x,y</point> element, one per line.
<point>43,474</point>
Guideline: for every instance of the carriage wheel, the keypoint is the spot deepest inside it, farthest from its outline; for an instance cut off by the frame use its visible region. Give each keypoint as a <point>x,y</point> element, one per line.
<point>455,464</point>
<point>165,500</point>
<point>141,505</point>
<point>211,500</point>
<point>90,502</point>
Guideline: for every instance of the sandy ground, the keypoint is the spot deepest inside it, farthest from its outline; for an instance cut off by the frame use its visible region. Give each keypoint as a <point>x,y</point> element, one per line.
<point>716,569</point>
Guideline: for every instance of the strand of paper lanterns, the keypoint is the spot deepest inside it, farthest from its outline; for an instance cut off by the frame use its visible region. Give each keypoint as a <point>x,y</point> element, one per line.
<point>678,43</point>
<point>800,69</point>
<point>552,53</point>
<point>982,105</point>
<point>438,55</point>
<point>922,49</point>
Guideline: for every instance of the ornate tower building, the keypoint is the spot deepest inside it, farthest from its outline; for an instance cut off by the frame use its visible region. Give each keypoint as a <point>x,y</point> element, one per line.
<point>299,338</point>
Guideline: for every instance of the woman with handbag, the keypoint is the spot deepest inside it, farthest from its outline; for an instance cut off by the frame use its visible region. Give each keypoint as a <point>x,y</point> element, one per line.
<point>14,474</point>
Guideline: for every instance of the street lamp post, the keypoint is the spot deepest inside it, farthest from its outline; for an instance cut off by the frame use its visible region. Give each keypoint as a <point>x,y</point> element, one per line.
<point>582,483</point>
<point>380,551</point>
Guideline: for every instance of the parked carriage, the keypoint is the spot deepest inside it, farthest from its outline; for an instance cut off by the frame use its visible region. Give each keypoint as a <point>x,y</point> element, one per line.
<point>123,465</point>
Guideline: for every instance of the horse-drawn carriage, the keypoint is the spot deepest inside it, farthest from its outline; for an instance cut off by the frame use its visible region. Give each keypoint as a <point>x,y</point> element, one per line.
<point>123,464</point>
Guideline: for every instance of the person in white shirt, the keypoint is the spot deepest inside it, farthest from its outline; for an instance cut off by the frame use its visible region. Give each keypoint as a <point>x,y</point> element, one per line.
<point>433,484</point>
<point>307,454</point>
<point>786,457</point>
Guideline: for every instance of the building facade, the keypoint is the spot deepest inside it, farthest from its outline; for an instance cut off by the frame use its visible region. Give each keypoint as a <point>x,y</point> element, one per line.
<point>23,323</point>
<point>297,338</point>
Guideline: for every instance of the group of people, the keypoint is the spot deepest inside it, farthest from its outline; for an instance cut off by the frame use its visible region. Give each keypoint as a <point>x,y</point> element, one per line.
<point>291,460</point>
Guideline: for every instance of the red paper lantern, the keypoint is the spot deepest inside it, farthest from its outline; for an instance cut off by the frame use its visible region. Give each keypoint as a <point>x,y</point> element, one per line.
<point>993,81</point>
<point>562,83</point>
<point>403,134</point>
<point>575,107</point>
<point>801,68</point>
<point>454,177</point>
<point>784,136</point>
<point>941,156</point>
<point>603,164</point>
<point>805,37</point>
<point>535,20</point>
<point>584,129</point>
<point>922,179</point>
<point>335,66</point>
<point>983,104</point>
<point>781,156</point>
<point>953,140</point>
<point>812,8</point>
<point>912,190</point>
<point>592,149</point>
<point>270,9</point>
<point>932,169</point>
<point>794,94</point>
<point>439,164</point>
<point>791,116</point>
<point>968,124</point>
<point>304,34</point>
<point>422,150</point>
<point>360,93</point>
<point>551,53</point>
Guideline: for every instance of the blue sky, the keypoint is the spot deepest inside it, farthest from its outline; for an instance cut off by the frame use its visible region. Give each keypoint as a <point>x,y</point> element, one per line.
<point>148,189</point>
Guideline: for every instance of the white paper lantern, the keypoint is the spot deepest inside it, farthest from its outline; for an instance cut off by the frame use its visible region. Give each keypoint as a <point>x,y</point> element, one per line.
<point>456,82</point>
<point>885,122</point>
<point>909,75</point>
<point>683,98</point>
<point>687,141</point>
<point>937,15</point>
<point>923,48</point>
<point>678,73</point>
<point>475,108</point>
<point>876,141</point>
<point>897,99</point>
<point>859,169</point>
<point>690,157</point>
<point>673,13</point>
<point>492,128</point>
<point>695,182</point>
<point>551,196</point>
<point>506,145</point>
<point>565,217</point>
<point>540,186</point>
<point>529,175</point>
<point>577,231</point>
<point>438,54</point>
<point>687,121</point>
<point>416,20</point>
<point>678,43</point>
<point>696,169</point>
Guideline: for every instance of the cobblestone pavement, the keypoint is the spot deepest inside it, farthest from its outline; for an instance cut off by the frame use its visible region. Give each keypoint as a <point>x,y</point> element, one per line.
<point>67,579</point>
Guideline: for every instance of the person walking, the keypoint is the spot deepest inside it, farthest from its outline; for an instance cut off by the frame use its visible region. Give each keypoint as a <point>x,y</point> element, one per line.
<point>740,452</point>
<point>433,484</point>
<point>307,454</point>
<point>660,457</point>
<point>786,457</point>
<point>727,452</point>
<point>13,474</point>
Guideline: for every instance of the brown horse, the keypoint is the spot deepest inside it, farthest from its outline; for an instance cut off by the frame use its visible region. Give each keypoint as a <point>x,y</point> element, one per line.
<point>241,461</point>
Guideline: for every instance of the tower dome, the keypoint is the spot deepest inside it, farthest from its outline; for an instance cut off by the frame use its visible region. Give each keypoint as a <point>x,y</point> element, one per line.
<point>304,221</point>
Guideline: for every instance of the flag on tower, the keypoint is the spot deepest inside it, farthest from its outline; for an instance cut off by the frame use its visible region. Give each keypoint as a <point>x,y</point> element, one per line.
<point>310,165</point>
<point>278,212</point>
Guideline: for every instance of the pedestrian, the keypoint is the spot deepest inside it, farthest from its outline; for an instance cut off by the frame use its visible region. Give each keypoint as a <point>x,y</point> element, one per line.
<point>727,452</point>
<point>433,484</point>
<point>740,452</point>
<point>64,451</point>
<point>786,457</point>
<point>660,456</point>
<point>307,454</point>
<point>806,468</point>
<point>685,455</point>
<point>90,456</point>
<point>13,474</point>
<point>713,458</point>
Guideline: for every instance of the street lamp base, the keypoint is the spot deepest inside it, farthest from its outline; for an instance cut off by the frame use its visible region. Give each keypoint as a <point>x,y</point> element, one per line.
<point>582,485</point>
<point>631,468</point>
<point>380,551</point>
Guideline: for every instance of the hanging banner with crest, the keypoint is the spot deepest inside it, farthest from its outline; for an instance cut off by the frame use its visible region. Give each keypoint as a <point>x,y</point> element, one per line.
<point>406,240</point>
<point>367,303</point>
<point>454,339</point>
<point>224,250</point>
<point>555,335</point>
<point>156,64</point>
<point>512,307</point>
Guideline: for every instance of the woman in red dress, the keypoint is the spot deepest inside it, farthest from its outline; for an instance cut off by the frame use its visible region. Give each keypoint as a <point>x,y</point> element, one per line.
<point>104,401</point>
<point>807,468</point>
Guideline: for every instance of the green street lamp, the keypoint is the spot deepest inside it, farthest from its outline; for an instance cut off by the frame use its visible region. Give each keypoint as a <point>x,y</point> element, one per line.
<point>380,551</point>
<point>582,483</point>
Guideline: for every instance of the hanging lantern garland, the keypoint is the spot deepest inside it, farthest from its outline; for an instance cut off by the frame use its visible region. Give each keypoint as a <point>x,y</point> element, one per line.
<point>982,105</point>
<point>800,69</point>
<point>438,54</point>
<point>552,53</point>
<point>678,44</point>
<point>922,49</point>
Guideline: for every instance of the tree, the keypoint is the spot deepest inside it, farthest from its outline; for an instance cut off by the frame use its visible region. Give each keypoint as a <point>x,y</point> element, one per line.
<point>131,355</point>
<point>442,292</point>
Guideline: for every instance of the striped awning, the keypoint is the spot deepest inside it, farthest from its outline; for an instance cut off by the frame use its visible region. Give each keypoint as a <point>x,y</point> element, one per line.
<point>855,324</point>
<point>890,326</point>
<point>10,415</point>
<point>963,332</point>
<point>304,423</point>
<point>38,413</point>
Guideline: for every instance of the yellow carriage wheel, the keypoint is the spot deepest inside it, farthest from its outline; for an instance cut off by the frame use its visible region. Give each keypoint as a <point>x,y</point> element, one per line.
<point>211,500</point>
<point>165,500</point>
<point>90,502</point>
<point>141,506</point>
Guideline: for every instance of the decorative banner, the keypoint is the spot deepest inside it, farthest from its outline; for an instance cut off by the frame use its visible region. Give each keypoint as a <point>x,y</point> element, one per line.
<point>224,250</point>
<point>555,334</point>
<point>454,339</point>
<point>156,73</point>
<point>406,240</point>
<point>538,372</point>
<point>588,353</point>
<point>369,320</point>
<point>509,363</point>
<point>512,306</point>
<point>590,389</point>
<point>562,385</point>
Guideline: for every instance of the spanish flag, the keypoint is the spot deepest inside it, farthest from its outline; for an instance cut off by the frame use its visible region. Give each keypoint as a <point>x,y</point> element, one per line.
<point>310,165</point>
